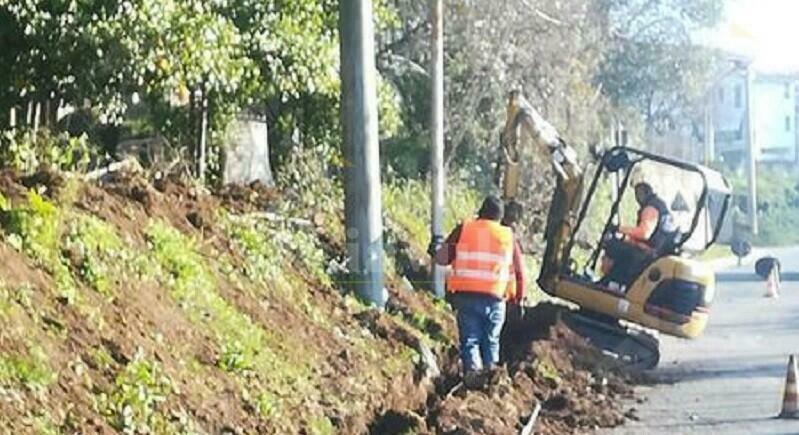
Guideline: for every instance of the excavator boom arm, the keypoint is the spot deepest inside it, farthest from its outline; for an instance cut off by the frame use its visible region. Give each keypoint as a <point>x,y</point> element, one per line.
<point>523,126</point>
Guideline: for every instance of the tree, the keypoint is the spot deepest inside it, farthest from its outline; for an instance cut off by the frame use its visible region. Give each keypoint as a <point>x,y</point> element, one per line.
<point>278,57</point>
<point>581,62</point>
<point>294,45</point>
<point>652,64</point>
<point>107,53</point>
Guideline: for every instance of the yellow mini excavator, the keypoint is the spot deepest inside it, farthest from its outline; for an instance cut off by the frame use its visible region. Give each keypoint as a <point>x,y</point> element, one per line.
<point>669,292</point>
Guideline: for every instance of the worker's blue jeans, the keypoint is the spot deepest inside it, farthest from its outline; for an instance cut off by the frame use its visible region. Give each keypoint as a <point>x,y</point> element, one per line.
<point>480,319</point>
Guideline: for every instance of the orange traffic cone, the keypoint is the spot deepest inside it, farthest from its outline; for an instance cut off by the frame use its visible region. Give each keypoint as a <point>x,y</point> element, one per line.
<point>773,283</point>
<point>790,402</point>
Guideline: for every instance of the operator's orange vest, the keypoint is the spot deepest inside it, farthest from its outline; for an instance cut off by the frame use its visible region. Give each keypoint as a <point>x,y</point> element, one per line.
<point>483,259</point>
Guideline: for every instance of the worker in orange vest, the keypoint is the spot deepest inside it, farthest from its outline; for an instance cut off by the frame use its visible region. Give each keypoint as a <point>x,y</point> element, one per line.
<point>483,257</point>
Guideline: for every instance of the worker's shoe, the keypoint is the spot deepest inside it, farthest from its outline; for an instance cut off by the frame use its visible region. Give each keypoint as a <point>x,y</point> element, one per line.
<point>482,379</point>
<point>474,380</point>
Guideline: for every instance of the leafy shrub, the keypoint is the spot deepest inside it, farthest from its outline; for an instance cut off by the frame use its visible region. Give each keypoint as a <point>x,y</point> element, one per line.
<point>407,203</point>
<point>778,227</point>
<point>134,404</point>
<point>266,245</point>
<point>34,228</point>
<point>777,204</point>
<point>309,180</point>
<point>26,151</point>
<point>99,250</point>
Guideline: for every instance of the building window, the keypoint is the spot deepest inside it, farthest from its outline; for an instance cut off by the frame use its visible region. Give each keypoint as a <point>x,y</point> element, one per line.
<point>787,90</point>
<point>787,123</point>
<point>721,95</point>
<point>738,98</point>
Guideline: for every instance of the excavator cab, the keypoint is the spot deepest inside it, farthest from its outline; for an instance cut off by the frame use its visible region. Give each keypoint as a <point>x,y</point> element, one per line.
<point>697,198</point>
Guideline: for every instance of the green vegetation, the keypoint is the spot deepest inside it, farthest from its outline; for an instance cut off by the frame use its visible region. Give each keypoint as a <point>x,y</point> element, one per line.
<point>136,403</point>
<point>5,301</point>
<point>282,57</point>
<point>267,405</point>
<point>321,426</point>
<point>547,369</point>
<point>267,246</point>
<point>30,369</point>
<point>194,287</point>
<point>34,228</point>
<point>778,228</point>
<point>407,203</point>
<point>777,203</point>
<point>99,252</point>
<point>44,425</point>
<point>66,242</point>
<point>27,151</point>
<point>101,357</point>
<point>280,258</point>
<point>309,188</point>
<point>245,347</point>
<point>715,252</point>
<point>265,55</point>
<point>142,68</point>
<point>22,296</point>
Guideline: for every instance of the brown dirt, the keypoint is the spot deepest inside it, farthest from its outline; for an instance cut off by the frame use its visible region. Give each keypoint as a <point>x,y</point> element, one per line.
<point>255,196</point>
<point>141,317</point>
<point>544,362</point>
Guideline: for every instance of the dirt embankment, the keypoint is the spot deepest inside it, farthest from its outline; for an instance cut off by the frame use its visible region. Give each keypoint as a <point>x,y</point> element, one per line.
<point>182,323</point>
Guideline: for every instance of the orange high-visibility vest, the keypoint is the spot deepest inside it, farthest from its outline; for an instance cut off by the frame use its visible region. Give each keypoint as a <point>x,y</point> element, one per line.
<point>483,259</point>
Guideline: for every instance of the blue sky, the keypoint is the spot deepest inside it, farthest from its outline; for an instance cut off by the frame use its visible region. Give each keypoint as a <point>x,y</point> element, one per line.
<point>767,30</point>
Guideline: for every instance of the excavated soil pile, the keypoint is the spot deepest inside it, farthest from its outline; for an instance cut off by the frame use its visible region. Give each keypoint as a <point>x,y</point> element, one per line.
<point>545,363</point>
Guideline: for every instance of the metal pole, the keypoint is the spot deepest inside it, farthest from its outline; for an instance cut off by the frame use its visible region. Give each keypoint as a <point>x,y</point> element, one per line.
<point>710,129</point>
<point>751,149</point>
<point>361,150</point>
<point>203,137</point>
<point>437,133</point>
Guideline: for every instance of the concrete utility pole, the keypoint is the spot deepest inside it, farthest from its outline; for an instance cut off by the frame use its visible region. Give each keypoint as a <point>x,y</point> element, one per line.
<point>437,133</point>
<point>710,129</point>
<point>361,150</point>
<point>751,149</point>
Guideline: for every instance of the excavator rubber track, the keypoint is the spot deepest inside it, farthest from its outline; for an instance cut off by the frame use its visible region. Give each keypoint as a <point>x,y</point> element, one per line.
<point>631,349</point>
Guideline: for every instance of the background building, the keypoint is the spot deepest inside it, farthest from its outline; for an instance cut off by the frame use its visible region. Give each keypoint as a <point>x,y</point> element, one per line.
<point>775,113</point>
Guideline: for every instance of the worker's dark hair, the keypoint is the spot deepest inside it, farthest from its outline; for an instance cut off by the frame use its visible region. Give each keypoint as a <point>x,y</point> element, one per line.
<point>646,187</point>
<point>513,213</point>
<point>491,209</point>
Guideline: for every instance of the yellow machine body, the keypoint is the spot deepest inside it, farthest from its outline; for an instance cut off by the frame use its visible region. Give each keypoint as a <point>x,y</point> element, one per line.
<point>685,283</point>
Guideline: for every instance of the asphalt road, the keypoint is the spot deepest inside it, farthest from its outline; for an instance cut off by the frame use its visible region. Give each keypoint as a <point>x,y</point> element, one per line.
<point>730,380</point>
